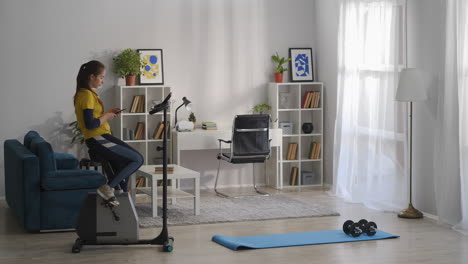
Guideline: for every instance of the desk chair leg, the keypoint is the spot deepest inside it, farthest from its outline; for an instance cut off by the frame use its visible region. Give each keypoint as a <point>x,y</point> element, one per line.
<point>254,182</point>
<point>216,182</point>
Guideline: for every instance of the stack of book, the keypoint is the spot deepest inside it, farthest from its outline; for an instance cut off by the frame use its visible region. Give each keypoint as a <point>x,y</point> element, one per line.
<point>310,100</point>
<point>292,151</point>
<point>158,132</point>
<point>159,170</point>
<point>140,131</point>
<point>314,152</point>
<point>138,104</point>
<point>209,126</point>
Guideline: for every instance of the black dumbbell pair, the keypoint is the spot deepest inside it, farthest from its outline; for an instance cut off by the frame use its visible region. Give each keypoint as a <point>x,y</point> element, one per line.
<point>359,228</point>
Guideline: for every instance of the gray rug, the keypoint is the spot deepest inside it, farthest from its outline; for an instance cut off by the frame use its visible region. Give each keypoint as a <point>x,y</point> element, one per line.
<point>218,210</point>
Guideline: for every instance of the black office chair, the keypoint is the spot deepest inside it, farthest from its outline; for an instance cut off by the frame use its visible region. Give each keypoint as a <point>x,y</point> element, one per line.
<point>250,143</point>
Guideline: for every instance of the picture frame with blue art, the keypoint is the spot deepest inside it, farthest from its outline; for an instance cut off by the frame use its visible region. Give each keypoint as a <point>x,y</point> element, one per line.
<point>152,71</point>
<point>301,65</point>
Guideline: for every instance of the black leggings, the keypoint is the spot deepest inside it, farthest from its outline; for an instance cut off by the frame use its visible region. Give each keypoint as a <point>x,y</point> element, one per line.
<point>123,159</point>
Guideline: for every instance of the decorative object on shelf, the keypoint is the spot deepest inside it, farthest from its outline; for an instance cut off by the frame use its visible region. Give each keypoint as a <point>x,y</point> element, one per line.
<point>185,102</point>
<point>287,127</point>
<point>192,118</point>
<point>411,88</point>
<point>152,68</point>
<point>307,128</point>
<point>279,67</point>
<point>284,100</point>
<point>127,64</point>
<point>301,64</point>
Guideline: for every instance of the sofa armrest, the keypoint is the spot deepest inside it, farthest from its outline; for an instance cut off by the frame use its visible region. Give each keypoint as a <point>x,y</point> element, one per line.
<point>72,180</point>
<point>22,184</point>
<point>65,161</point>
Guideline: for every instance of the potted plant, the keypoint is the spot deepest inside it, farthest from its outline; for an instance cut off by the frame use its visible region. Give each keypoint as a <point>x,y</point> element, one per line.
<point>128,64</point>
<point>261,109</point>
<point>279,68</point>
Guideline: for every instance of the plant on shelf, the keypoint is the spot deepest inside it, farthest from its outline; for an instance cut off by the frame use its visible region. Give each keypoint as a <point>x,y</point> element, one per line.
<point>192,118</point>
<point>279,68</point>
<point>127,64</point>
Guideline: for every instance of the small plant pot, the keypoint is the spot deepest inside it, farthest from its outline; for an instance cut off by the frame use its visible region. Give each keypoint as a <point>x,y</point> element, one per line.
<point>130,80</point>
<point>278,77</point>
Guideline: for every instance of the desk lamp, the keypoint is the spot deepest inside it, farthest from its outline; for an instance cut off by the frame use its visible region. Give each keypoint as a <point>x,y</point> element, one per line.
<point>187,104</point>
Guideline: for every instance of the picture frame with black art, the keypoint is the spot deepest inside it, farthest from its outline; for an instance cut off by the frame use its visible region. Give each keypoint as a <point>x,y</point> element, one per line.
<point>152,71</point>
<point>301,65</point>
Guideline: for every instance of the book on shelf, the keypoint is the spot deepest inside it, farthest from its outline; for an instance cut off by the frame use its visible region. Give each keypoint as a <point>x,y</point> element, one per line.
<point>314,152</point>
<point>140,131</point>
<point>292,151</point>
<point>159,170</point>
<point>293,176</point>
<point>158,132</point>
<point>311,100</point>
<point>138,104</point>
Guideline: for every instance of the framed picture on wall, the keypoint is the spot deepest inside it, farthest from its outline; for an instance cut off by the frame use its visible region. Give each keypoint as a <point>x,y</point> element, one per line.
<point>152,71</point>
<point>300,65</point>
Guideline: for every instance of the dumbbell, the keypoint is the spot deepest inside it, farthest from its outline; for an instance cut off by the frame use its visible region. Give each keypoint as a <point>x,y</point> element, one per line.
<point>370,228</point>
<point>351,228</point>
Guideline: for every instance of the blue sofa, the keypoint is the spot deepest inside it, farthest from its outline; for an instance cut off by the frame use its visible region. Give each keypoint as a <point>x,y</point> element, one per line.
<point>45,189</point>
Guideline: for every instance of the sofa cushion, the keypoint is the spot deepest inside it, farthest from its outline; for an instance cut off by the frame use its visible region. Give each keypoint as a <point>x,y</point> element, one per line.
<point>65,161</point>
<point>44,152</point>
<point>29,137</point>
<point>72,180</point>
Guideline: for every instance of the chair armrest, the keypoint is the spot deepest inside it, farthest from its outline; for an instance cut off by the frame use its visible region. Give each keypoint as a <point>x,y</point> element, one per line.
<point>65,161</point>
<point>225,141</point>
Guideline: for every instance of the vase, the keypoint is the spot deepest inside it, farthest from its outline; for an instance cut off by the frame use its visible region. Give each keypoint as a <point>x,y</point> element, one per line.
<point>307,128</point>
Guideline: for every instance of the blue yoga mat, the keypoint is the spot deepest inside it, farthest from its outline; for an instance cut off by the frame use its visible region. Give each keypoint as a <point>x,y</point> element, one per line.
<point>294,239</point>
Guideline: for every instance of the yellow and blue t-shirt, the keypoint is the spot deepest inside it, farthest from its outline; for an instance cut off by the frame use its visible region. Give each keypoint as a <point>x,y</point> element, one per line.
<point>87,102</point>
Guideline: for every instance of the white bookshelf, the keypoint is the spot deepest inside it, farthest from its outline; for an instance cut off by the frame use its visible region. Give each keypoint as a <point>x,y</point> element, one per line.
<point>291,110</point>
<point>147,145</point>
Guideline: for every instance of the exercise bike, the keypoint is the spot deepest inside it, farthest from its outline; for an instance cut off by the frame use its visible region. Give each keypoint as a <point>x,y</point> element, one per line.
<point>101,223</point>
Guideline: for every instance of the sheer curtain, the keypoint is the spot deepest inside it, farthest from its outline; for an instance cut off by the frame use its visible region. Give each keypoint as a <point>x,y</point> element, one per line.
<point>451,152</point>
<point>370,143</point>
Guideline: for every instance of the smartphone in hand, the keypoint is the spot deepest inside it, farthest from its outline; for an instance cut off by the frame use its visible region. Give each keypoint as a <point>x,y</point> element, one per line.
<point>118,112</point>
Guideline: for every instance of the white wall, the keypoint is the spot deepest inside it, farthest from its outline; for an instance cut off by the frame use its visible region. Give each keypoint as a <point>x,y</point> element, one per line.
<point>326,21</point>
<point>426,39</point>
<point>43,43</point>
<point>426,46</point>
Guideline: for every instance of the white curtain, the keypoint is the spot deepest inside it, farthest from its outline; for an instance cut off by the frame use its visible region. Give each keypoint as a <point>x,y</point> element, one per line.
<point>370,143</point>
<point>451,150</point>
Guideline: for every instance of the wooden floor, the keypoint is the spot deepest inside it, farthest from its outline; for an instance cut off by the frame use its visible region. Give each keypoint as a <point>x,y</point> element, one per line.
<point>421,241</point>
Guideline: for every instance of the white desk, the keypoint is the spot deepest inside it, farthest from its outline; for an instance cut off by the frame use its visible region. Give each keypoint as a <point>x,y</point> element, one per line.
<point>201,139</point>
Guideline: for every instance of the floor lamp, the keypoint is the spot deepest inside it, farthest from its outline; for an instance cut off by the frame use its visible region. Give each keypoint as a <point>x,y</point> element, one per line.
<point>411,88</point>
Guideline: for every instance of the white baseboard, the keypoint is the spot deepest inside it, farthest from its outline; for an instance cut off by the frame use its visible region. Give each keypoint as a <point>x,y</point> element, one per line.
<point>431,216</point>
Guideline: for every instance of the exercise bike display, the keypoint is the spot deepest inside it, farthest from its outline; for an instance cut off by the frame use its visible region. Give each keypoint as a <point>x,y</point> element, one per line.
<point>101,223</point>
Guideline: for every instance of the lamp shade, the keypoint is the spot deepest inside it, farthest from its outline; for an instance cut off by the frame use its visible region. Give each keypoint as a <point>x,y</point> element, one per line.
<point>412,86</point>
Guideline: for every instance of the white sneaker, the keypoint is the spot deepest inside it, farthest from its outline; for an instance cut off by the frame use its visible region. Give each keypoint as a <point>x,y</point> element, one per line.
<point>107,193</point>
